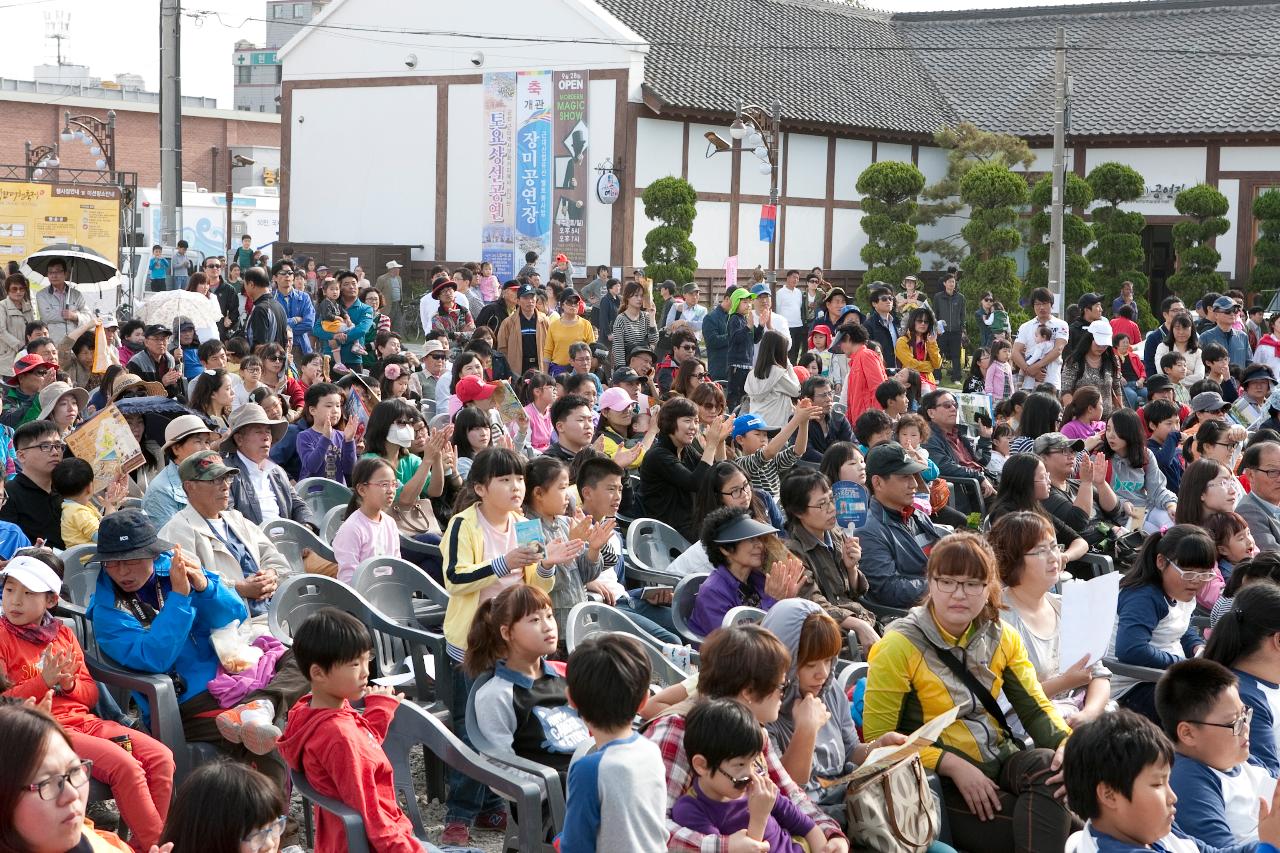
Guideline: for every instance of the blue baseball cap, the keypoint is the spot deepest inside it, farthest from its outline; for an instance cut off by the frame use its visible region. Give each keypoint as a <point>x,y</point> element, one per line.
<point>761,289</point>
<point>744,424</point>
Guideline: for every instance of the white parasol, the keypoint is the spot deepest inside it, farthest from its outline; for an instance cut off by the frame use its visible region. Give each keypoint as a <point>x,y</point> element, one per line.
<point>167,306</point>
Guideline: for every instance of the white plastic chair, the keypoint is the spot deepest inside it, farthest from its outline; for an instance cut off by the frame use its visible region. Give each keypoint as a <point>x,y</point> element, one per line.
<point>322,495</point>
<point>651,546</point>
<point>331,522</point>
<point>682,606</point>
<point>742,615</point>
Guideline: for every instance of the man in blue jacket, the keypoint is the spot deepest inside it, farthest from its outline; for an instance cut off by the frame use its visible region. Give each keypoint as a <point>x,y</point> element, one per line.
<point>154,610</point>
<point>361,316</point>
<point>297,305</point>
<point>715,332</point>
<point>897,537</point>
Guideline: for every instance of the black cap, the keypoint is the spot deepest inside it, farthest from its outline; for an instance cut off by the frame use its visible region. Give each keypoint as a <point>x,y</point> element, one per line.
<point>1158,383</point>
<point>890,458</point>
<point>128,535</point>
<point>1089,300</point>
<point>741,528</point>
<point>158,329</point>
<point>624,374</point>
<point>642,351</point>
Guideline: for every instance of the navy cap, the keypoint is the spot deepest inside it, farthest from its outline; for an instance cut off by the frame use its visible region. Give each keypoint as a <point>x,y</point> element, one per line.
<point>1224,303</point>
<point>128,535</point>
<point>624,374</point>
<point>890,458</point>
<point>741,528</point>
<point>526,290</point>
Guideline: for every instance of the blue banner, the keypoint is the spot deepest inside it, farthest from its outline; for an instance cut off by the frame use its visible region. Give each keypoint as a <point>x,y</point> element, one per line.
<point>851,504</point>
<point>534,99</point>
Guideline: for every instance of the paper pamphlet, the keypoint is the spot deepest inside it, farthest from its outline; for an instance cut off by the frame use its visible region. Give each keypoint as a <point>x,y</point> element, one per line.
<point>1088,618</point>
<point>400,679</point>
<point>106,442</point>
<point>530,533</point>
<point>509,406</point>
<point>879,759</point>
<point>971,404</point>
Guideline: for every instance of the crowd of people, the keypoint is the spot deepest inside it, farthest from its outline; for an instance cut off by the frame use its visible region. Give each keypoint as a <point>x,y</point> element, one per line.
<point>506,461</point>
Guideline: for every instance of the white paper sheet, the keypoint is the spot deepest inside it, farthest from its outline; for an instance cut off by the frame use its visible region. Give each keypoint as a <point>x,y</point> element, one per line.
<point>1088,618</point>
<point>406,677</point>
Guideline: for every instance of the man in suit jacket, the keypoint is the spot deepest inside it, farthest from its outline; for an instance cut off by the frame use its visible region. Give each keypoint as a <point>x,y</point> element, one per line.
<point>1261,507</point>
<point>262,492</point>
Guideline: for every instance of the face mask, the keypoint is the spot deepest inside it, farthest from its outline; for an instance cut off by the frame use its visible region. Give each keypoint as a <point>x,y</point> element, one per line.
<point>400,436</point>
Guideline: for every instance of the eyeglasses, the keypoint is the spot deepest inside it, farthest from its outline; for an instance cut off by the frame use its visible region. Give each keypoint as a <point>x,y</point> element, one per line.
<point>406,421</point>
<point>738,784</point>
<point>273,358</point>
<point>826,503</point>
<point>1228,485</point>
<point>437,355</point>
<point>950,405</point>
<point>1045,552</point>
<point>1239,726</point>
<point>51,788</point>
<point>1191,576</point>
<point>693,347</point>
<point>738,492</point>
<point>41,371</point>
<point>270,832</point>
<point>285,273</point>
<point>389,485</point>
<point>213,266</point>
<point>1270,472</point>
<point>45,446</point>
<point>948,585</point>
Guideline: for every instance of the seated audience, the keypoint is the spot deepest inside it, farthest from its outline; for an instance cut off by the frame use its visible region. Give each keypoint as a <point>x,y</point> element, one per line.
<point>1248,643</point>
<point>369,529</point>
<point>1261,507</point>
<point>184,436</point>
<point>671,472</point>
<point>262,492</point>
<point>224,807</point>
<point>897,532</point>
<point>32,503</point>
<point>1024,487</point>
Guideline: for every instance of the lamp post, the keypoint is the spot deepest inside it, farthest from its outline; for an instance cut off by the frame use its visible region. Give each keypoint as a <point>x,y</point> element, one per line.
<point>234,161</point>
<point>759,131</point>
<point>98,135</point>
<point>40,159</point>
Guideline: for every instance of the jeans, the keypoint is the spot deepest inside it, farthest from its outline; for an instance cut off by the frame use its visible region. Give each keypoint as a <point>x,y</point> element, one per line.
<point>654,620</point>
<point>179,282</point>
<point>1133,395</point>
<point>467,797</point>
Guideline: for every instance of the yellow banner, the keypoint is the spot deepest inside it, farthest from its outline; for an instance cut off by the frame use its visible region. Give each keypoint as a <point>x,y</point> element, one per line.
<point>35,215</point>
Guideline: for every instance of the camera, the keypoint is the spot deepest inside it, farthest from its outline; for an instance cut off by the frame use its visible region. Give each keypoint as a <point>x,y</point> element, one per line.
<point>411,61</point>
<point>477,59</point>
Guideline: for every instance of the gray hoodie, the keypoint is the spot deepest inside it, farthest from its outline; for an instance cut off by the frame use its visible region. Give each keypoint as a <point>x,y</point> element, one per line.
<point>1144,487</point>
<point>837,737</point>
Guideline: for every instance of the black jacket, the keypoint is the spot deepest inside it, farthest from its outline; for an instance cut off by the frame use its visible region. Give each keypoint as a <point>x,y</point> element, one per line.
<point>267,324</point>
<point>37,512</point>
<point>229,302</point>
<point>881,334</point>
<point>668,482</point>
<point>950,309</point>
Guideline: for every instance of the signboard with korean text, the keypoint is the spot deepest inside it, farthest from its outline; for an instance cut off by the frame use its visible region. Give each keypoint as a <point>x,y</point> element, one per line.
<point>533,197</point>
<point>498,241</point>
<point>569,228</point>
<point>35,215</point>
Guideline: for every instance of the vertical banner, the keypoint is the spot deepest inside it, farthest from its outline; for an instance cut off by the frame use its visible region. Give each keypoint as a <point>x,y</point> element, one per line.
<point>498,241</point>
<point>569,136</point>
<point>768,222</point>
<point>533,166</point>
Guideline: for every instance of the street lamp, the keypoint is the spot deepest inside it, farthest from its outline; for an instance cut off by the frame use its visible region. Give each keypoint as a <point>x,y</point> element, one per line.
<point>759,131</point>
<point>97,135</point>
<point>40,159</point>
<point>237,161</point>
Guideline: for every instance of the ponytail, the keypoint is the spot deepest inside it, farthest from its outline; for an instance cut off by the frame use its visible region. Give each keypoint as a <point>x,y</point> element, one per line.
<point>531,381</point>
<point>488,464</point>
<point>1188,546</point>
<point>485,644</point>
<point>1253,618</point>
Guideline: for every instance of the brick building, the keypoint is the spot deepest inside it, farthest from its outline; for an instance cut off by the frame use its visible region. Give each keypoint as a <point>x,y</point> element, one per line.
<point>38,116</point>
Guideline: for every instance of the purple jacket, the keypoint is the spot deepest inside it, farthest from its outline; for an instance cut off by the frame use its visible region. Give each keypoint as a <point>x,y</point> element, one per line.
<point>700,813</point>
<point>314,450</point>
<point>719,594</point>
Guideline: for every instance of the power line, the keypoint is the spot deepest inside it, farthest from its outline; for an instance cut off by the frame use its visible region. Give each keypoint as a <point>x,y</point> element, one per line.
<point>740,47</point>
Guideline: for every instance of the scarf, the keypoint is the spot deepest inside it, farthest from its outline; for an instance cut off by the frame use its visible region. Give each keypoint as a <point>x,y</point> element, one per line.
<point>37,633</point>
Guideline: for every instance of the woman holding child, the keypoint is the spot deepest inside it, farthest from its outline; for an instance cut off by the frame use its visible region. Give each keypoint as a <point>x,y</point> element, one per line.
<point>954,651</point>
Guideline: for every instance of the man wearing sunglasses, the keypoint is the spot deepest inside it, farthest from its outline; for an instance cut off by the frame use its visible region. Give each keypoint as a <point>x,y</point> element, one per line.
<point>1224,312</point>
<point>299,310</point>
<point>435,361</point>
<point>30,374</point>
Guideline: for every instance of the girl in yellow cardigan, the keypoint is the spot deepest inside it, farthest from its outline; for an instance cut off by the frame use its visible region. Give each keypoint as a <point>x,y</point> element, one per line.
<point>918,346</point>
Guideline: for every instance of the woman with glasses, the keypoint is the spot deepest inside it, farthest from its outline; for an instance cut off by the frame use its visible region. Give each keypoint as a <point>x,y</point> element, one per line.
<point>275,375</point>
<point>44,788</point>
<point>748,571</point>
<point>226,807</point>
<point>831,577</point>
<point>1157,599</point>
<point>1030,562</point>
<point>917,346</point>
<point>1024,486</point>
<point>954,651</point>
<point>1207,487</point>
<point>726,485</point>
<point>691,373</point>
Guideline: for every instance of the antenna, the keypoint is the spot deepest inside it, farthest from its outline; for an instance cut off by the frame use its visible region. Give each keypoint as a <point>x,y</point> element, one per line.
<point>57,26</point>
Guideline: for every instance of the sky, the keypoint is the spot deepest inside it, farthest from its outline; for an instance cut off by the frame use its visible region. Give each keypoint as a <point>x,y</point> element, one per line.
<point>119,36</point>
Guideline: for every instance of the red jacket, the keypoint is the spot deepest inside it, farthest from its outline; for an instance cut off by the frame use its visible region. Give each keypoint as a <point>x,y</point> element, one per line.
<point>340,752</point>
<point>866,372</point>
<point>20,660</point>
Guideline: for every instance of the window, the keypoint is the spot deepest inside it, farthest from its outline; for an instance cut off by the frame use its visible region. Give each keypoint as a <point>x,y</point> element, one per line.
<point>301,10</point>
<point>279,10</point>
<point>244,74</point>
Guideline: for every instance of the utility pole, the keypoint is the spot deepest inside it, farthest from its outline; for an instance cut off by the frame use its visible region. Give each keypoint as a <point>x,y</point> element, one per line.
<point>1057,254</point>
<point>775,151</point>
<point>170,122</point>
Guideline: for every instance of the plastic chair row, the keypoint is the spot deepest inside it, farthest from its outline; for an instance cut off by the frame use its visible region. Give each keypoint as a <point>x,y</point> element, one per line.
<point>321,495</point>
<point>588,618</point>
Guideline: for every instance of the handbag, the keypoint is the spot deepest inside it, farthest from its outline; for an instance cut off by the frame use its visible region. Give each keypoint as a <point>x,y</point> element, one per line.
<point>415,519</point>
<point>892,810</point>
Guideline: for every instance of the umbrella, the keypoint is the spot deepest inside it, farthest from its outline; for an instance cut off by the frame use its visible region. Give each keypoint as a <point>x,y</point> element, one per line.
<point>156,413</point>
<point>83,263</point>
<point>165,308</point>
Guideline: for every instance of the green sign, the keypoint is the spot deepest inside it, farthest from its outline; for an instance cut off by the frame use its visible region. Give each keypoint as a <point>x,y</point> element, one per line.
<point>267,57</point>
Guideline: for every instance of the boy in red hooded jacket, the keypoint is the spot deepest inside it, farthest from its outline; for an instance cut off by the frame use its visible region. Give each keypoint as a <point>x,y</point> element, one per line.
<point>39,655</point>
<point>338,748</point>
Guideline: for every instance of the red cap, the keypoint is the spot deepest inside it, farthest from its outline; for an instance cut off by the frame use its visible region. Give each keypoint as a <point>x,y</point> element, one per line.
<point>472,388</point>
<point>26,364</point>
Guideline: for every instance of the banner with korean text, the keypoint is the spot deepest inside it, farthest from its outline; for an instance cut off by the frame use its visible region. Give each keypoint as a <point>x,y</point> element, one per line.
<point>35,215</point>
<point>498,242</point>
<point>572,173</point>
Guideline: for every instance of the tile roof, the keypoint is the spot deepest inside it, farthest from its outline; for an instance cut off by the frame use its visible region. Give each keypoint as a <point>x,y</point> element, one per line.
<point>1148,68</point>
<point>706,55</point>
<point>1138,68</point>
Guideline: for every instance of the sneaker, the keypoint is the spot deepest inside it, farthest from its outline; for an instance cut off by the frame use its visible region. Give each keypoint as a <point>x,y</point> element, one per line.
<point>495,820</point>
<point>232,722</point>
<point>455,834</point>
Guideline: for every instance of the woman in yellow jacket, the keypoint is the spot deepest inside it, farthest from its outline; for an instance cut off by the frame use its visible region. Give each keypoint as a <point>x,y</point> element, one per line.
<point>918,346</point>
<point>953,651</point>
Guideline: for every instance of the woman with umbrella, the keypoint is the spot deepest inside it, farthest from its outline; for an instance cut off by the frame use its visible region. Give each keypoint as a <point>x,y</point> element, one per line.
<point>199,284</point>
